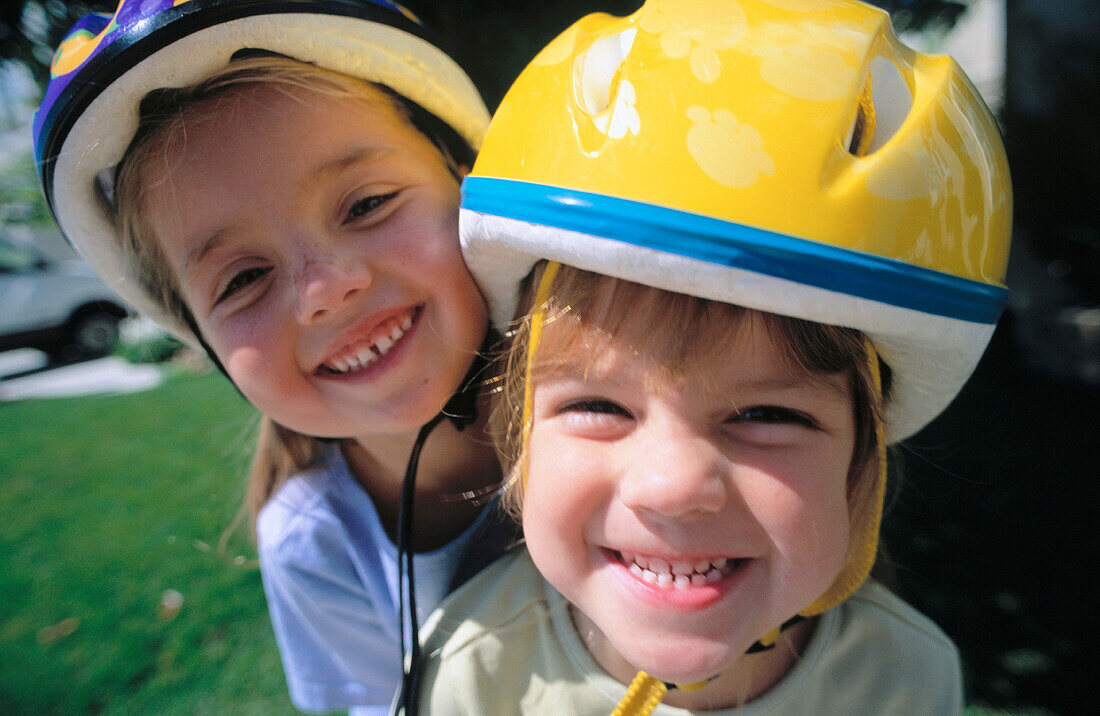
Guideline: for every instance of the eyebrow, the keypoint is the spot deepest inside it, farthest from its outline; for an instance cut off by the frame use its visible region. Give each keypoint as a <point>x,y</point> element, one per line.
<point>573,370</point>
<point>196,255</point>
<point>790,380</point>
<point>340,163</point>
<point>798,380</point>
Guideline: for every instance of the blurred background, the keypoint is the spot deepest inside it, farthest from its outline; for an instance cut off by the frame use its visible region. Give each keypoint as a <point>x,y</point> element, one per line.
<point>126,587</point>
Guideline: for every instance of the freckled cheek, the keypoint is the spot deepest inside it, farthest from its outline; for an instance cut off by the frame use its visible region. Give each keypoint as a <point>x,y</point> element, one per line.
<point>252,350</point>
<point>429,235</point>
<point>440,260</point>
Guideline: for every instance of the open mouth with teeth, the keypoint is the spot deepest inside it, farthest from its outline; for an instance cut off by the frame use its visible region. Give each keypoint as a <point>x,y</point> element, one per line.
<point>362,354</point>
<point>677,574</point>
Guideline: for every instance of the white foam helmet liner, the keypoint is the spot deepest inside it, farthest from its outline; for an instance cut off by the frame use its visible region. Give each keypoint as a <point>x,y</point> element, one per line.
<point>931,356</point>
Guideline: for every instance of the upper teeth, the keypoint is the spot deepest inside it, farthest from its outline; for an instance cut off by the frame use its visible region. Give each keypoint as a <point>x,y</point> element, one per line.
<point>676,573</point>
<point>368,354</point>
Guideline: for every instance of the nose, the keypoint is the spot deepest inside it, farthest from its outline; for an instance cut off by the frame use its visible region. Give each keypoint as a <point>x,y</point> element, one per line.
<point>326,279</point>
<point>676,473</point>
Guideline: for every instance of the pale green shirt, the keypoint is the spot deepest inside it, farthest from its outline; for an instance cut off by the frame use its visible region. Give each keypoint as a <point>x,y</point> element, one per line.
<point>505,644</point>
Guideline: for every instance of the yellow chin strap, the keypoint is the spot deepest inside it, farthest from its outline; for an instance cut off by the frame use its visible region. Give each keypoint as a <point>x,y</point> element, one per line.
<point>538,320</point>
<point>865,533</point>
<point>645,692</point>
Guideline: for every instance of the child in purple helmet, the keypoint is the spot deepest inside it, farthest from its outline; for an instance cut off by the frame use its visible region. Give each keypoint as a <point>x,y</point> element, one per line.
<point>278,184</point>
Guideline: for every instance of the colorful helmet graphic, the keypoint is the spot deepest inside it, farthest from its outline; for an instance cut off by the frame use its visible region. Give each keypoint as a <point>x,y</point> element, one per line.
<point>107,64</point>
<point>790,156</point>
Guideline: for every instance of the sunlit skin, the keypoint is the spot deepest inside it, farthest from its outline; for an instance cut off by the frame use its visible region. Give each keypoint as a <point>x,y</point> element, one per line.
<point>315,240</point>
<point>739,459</point>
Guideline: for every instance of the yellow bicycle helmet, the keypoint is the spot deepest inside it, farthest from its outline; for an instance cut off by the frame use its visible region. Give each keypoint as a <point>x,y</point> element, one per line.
<point>790,156</point>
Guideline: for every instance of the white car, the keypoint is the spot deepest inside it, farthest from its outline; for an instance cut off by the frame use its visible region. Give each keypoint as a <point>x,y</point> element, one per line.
<point>60,307</point>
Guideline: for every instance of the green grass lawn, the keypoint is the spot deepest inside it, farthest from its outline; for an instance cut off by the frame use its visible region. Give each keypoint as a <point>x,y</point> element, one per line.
<point>107,503</point>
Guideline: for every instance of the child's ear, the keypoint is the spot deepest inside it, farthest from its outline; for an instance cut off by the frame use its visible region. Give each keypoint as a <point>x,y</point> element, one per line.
<point>463,170</point>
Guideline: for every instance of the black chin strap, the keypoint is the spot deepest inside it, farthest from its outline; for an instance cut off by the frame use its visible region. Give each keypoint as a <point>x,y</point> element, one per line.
<point>194,326</point>
<point>461,410</point>
<point>407,702</point>
<point>759,646</point>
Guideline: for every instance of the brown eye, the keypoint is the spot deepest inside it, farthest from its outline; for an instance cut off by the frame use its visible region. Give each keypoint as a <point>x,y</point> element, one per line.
<point>242,280</point>
<point>366,205</point>
<point>772,415</point>
<point>601,407</point>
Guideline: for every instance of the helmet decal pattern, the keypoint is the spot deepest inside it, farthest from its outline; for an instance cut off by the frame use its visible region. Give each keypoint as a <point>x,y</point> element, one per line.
<point>763,99</point>
<point>729,152</point>
<point>695,30</point>
<point>807,72</point>
<point>80,43</point>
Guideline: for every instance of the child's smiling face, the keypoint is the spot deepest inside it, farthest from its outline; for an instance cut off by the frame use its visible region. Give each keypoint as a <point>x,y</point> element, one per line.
<point>685,516</point>
<point>315,240</point>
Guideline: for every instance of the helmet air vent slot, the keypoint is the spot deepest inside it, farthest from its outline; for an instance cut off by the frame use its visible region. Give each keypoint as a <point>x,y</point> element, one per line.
<point>883,107</point>
<point>595,70</point>
<point>862,131</point>
<point>892,99</point>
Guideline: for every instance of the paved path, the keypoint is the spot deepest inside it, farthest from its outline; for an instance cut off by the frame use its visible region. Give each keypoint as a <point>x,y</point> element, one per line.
<point>105,375</point>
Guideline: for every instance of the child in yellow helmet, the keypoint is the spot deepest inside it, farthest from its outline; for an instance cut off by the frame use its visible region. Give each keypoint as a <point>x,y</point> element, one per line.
<point>746,246</point>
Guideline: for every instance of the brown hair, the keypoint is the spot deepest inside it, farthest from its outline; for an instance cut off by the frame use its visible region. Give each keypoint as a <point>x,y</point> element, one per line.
<point>595,309</point>
<point>280,452</point>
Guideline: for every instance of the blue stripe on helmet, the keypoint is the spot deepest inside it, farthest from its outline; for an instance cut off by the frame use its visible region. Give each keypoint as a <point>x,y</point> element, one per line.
<point>744,247</point>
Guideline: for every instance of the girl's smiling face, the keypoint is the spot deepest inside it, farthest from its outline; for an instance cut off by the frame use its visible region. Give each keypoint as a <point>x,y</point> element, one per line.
<point>685,515</point>
<point>315,240</point>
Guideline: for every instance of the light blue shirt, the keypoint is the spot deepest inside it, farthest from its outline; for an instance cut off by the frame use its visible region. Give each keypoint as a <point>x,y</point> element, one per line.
<point>330,575</point>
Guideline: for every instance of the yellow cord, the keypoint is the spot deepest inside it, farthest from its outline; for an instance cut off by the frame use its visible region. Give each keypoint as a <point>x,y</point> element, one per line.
<point>865,536</point>
<point>645,692</point>
<point>642,696</point>
<point>770,638</point>
<point>538,319</point>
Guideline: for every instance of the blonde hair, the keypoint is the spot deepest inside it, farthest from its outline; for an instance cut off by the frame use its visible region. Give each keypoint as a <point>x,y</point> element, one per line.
<point>680,331</point>
<point>162,128</point>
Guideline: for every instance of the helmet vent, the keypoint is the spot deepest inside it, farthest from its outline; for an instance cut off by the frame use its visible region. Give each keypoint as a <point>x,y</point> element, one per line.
<point>595,70</point>
<point>862,131</point>
<point>892,100</point>
<point>884,104</point>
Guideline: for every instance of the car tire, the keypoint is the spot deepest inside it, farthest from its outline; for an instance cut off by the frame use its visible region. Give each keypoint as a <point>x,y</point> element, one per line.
<point>94,334</point>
